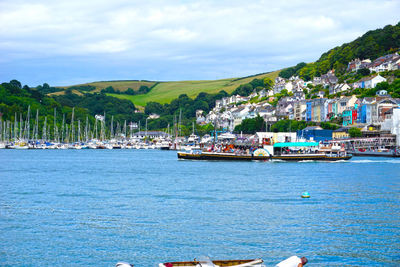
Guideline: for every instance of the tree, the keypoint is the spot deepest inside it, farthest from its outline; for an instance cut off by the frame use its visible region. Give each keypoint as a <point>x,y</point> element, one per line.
<point>355,132</point>
<point>251,126</point>
<point>16,83</point>
<point>363,72</point>
<point>143,89</point>
<point>130,91</point>
<point>268,83</point>
<point>153,107</point>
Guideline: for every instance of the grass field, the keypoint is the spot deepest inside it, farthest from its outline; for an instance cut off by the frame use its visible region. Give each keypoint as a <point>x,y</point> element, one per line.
<point>164,92</point>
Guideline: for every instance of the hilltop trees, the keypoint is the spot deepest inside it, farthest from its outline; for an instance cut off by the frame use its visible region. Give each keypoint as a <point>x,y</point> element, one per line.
<point>372,45</point>
<point>289,72</point>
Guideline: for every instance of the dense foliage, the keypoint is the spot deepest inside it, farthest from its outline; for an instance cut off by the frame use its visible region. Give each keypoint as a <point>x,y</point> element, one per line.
<point>142,90</point>
<point>251,126</point>
<point>15,100</point>
<point>355,132</point>
<point>255,85</point>
<point>99,104</point>
<point>289,72</point>
<point>293,125</point>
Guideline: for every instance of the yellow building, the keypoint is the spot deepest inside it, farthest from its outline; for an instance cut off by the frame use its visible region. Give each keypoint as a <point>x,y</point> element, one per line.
<point>341,133</point>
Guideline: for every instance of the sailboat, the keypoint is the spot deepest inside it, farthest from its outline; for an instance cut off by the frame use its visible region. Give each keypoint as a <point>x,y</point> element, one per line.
<point>193,138</point>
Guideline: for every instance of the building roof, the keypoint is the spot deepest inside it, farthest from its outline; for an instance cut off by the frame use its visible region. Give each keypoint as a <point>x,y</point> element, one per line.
<point>296,144</point>
<point>342,129</point>
<point>310,128</point>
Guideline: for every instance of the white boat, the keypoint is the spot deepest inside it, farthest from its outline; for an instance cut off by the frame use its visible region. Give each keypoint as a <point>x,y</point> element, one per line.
<point>206,262</point>
<point>21,146</point>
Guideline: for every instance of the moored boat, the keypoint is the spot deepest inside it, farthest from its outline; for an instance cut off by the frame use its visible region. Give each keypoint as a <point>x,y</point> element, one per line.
<point>215,263</point>
<point>376,152</point>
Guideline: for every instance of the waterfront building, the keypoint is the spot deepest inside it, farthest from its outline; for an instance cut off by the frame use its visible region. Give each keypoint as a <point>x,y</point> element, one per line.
<point>341,133</point>
<point>315,133</point>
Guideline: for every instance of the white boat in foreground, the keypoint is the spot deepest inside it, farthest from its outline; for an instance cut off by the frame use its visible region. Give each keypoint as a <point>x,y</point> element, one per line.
<point>206,262</point>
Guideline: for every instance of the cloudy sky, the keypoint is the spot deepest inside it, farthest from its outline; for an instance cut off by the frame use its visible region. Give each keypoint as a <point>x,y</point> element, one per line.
<point>68,42</point>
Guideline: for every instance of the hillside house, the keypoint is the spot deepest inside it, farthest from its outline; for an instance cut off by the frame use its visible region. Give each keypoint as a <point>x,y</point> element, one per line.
<point>369,82</point>
<point>339,88</point>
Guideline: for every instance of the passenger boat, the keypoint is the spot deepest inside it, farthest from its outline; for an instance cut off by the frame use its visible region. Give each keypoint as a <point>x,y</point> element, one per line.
<point>215,263</point>
<point>205,155</point>
<point>299,151</point>
<point>287,151</point>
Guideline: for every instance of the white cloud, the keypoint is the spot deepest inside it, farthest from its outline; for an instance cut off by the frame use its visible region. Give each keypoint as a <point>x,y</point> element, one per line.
<point>183,33</point>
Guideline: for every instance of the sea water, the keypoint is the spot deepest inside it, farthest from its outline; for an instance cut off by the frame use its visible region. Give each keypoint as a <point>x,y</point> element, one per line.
<point>98,207</point>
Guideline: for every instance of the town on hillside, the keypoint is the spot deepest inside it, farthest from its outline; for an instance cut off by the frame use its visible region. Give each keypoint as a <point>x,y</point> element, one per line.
<point>333,102</point>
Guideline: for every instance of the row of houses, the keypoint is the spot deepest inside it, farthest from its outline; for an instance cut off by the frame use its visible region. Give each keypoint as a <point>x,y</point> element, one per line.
<point>329,80</point>
<point>385,63</point>
<point>352,110</point>
<point>234,99</point>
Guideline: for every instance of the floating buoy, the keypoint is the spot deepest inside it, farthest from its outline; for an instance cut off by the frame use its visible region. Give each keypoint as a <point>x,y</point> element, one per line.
<point>305,195</point>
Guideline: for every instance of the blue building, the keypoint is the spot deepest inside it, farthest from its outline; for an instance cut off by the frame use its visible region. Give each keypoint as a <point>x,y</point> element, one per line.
<point>315,133</point>
<point>308,111</point>
<point>362,110</point>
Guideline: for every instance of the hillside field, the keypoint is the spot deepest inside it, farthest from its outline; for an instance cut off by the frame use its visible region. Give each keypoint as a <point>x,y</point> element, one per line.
<point>164,92</point>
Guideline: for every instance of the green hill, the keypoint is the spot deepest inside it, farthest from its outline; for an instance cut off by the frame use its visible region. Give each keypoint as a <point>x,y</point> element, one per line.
<point>164,92</point>
<point>372,45</point>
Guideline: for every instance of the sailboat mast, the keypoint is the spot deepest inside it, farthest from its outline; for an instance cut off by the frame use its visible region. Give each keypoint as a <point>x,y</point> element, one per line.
<point>72,126</point>
<point>112,128</point>
<point>62,128</point>
<point>28,123</point>
<point>55,126</point>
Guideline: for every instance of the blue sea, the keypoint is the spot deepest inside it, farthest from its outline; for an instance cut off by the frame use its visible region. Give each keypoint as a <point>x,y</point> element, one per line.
<point>98,207</point>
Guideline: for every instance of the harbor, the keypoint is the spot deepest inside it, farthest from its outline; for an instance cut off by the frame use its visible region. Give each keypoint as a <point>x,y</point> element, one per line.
<point>200,133</point>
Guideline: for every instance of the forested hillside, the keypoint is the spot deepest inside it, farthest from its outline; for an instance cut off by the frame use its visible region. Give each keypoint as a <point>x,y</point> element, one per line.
<point>372,45</point>
<point>15,100</point>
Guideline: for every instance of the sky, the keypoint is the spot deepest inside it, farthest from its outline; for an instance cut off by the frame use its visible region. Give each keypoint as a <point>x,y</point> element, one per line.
<point>67,42</point>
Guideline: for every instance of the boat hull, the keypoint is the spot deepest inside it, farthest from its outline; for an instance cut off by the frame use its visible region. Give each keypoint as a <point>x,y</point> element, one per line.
<point>375,154</point>
<point>220,156</point>
<point>311,157</point>
<point>227,156</point>
<point>221,263</point>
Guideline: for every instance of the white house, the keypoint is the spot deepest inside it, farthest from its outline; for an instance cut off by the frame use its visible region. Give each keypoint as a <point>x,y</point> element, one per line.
<point>371,83</point>
<point>341,87</point>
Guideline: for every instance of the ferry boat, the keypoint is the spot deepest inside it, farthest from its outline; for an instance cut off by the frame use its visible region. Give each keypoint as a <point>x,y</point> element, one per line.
<point>287,151</point>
